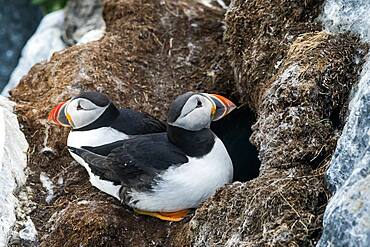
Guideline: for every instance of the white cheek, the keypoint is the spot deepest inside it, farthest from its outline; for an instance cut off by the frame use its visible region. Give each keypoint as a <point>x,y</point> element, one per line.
<point>196,120</point>
<point>87,117</point>
<point>83,118</point>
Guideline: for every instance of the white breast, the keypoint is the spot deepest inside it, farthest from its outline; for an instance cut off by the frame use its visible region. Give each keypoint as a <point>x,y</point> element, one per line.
<point>96,137</point>
<point>188,185</point>
<point>102,185</point>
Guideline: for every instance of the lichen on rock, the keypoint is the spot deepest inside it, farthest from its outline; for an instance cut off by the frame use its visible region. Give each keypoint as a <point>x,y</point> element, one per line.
<point>302,111</point>
<point>347,216</point>
<point>82,19</point>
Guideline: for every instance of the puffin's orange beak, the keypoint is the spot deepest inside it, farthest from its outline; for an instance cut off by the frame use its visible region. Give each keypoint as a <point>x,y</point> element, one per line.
<point>221,106</point>
<point>57,115</point>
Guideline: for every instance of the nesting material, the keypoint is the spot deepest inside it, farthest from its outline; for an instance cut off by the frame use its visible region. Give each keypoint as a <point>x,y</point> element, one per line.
<point>258,36</point>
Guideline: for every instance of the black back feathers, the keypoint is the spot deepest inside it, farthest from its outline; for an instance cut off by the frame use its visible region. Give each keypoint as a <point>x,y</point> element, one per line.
<point>135,162</point>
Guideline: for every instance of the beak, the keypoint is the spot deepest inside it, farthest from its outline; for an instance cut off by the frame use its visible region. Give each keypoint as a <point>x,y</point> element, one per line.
<point>221,106</point>
<point>58,115</point>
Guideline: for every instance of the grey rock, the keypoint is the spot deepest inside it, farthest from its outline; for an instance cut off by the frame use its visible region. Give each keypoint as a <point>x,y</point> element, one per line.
<point>347,15</point>
<point>347,216</point>
<point>43,43</point>
<point>353,145</point>
<point>18,20</point>
<point>82,21</point>
<point>13,161</point>
<point>81,17</point>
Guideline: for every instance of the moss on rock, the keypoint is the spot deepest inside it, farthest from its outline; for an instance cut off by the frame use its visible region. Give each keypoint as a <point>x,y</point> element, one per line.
<point>258,36</point>
<point>300,111</point>
<point>296,137</point>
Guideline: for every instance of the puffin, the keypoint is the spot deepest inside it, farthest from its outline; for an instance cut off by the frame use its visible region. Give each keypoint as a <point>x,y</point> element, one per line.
<point>164,175</point>
<point>95,121</point>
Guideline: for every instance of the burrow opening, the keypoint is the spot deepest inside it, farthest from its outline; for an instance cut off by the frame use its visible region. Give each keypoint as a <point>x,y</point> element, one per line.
<point>235,130</point>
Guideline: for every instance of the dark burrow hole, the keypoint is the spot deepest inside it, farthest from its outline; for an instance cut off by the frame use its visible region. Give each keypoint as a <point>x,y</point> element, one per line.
<point>234,130</point>
<point>335,119</point>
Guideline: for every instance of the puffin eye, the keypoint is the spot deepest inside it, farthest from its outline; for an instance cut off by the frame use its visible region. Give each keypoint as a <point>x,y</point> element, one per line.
<point>79,106</point>
<point>199,103</point>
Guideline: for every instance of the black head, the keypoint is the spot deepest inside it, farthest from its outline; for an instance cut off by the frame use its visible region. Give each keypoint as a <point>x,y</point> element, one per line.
<point>95,97</point>
<point>177,105</point>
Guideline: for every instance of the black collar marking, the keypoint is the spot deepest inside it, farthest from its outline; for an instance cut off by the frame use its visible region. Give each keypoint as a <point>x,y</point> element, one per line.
<point>192,143</point>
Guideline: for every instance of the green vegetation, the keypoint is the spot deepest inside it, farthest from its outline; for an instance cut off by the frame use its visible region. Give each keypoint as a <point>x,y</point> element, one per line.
<point>50,5</point>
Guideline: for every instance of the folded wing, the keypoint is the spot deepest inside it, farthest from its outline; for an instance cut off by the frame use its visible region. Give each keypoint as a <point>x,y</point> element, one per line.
<point>135,162</point>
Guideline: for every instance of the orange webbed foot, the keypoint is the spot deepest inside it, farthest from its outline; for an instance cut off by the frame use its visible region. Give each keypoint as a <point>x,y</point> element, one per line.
<point>168,216</point>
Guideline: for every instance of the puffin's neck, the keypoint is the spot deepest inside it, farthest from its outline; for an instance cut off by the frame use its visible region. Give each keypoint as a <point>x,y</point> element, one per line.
<point>192,143</point>
<point>106,119</point>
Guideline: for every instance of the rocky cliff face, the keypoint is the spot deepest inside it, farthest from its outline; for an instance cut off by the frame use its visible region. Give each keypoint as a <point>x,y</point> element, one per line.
<point>273,58</point>
<point>258,36</point>
<point>295,133</point>
<point>13,160</point>
<point>346,219</point>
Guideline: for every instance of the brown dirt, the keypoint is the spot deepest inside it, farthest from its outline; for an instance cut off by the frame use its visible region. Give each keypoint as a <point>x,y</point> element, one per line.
<point>259,34</point>
<point>103,224</point>
<point>281,208</point>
